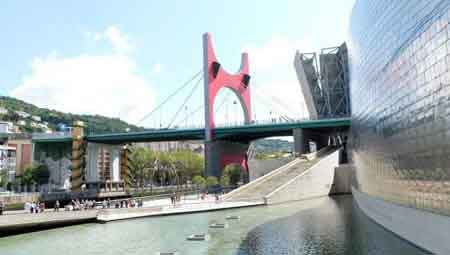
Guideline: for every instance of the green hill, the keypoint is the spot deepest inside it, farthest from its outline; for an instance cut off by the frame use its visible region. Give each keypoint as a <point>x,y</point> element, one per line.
<point>95,123</point>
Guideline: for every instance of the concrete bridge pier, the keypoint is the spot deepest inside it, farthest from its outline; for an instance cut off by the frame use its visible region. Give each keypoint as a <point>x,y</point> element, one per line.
<point>219,154</point>
<point>302,137</point>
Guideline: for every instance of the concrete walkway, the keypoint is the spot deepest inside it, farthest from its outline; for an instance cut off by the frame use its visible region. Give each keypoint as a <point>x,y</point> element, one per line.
<point>27,222</point>
<point>22,222</point>
<point>164,207</point>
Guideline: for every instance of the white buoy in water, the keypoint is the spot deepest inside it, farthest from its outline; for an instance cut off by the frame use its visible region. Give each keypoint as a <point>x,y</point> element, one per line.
<point>219,225</point>
<point>198,237</point>
<point>233,217</point>
<point>167,253</point>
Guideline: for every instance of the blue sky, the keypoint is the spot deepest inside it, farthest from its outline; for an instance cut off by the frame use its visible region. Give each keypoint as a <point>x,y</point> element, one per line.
<point>124,57</point>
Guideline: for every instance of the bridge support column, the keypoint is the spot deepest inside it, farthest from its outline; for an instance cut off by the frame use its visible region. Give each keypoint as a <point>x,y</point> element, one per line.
<point>222,153</point>
<point>302,137</point>
<point>300,142</point>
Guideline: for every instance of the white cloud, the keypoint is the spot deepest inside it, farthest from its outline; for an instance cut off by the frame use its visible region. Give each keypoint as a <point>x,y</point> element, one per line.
<point>105,85</point>
<point>277,53</point>
<point>108,85</point>
<point>120,42</point>
<point>156,68</point>
<point>274,82</point>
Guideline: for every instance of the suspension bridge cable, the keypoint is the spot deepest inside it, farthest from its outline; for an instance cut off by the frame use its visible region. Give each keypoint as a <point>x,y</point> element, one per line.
<point>197,109</point>
<point>266,100</point>
<point>223,102</point>
<point>185,101</point>
<point>171,95</point>
<point>274,100</point>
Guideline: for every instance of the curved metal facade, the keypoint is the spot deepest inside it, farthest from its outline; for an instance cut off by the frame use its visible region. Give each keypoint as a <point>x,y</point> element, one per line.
<point>400,98</point>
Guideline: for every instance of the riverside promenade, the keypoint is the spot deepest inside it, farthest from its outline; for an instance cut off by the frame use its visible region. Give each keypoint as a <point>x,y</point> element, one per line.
<point>163,207</point>
<point>17,222</point>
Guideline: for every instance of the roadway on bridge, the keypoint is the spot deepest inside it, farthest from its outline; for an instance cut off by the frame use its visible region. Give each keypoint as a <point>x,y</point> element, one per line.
<point>238,133</point>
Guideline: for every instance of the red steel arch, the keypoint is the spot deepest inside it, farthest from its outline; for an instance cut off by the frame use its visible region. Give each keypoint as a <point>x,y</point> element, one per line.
<point>218,154</point>
<point>217,78</point>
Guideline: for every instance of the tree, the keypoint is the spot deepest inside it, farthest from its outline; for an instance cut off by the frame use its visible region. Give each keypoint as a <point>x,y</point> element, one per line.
<point>211,181</point>
<point>40,174</point>
<point>191,162</point>
<point>199,181</point>
<point>225,180</point>
<point>234,172</point>
<point>164,168</point>
<point>3,178</point>
<point>27,176</point>
<point>141,167</point>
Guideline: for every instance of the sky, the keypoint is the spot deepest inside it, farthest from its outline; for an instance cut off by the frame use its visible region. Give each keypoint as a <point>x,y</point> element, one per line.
<point>123,58</point>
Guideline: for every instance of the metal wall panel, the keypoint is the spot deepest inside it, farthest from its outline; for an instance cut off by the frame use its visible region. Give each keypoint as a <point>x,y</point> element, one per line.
<point>399,54</point>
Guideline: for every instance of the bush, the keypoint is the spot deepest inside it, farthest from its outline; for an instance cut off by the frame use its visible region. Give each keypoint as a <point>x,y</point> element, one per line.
<point>234,172</point>
<point>14,206</point>
<point>225,180</point>
<point>41,174</point>
<point>199,180</point>
<point>211,181</point>
<point>35,175</point>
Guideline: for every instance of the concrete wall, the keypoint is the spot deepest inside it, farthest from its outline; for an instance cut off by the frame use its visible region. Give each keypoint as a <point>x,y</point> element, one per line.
<point>57,157</point>
<point>427,230</point>
<point>342,180</point>
<point>315,182</point>
<point>258,168</point>
<point>22,198</point>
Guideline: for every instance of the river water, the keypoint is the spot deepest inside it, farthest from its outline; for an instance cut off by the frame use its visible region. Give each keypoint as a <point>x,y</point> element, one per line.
<point>328,225</point>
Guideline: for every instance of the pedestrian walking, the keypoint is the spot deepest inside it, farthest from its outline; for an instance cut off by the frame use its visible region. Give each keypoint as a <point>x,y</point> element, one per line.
<point>1,207</point>
<point>41,207</point>
<point>57,206</point>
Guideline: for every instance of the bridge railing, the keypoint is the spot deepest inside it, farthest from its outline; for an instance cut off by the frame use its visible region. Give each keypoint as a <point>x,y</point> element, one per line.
<point>220,125</point>
<point>52,135</point>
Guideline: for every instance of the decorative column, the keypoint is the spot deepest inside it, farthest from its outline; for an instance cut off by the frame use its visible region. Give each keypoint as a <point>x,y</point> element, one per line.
<point>124,167</point>
<point>78,153</point>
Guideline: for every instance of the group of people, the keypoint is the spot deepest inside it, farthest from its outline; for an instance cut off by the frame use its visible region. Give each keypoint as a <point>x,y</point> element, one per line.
<point>126,203</point>
<point>35,207</point>
<point>217,195</point>
<point>78,205</point>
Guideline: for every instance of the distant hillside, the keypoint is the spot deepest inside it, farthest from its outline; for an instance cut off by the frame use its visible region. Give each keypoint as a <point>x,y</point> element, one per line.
<point>273,146</point>
<point>95,123</point>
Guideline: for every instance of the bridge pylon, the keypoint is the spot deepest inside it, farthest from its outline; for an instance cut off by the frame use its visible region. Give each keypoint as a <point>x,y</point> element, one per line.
<point>218,154</point>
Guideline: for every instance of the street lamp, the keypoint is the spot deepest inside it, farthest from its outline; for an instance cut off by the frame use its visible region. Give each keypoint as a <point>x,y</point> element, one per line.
<point>185,111</point>
<point>235,112</point>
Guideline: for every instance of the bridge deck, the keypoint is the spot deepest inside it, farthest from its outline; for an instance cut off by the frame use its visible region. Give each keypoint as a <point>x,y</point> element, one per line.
<point>238,133</point>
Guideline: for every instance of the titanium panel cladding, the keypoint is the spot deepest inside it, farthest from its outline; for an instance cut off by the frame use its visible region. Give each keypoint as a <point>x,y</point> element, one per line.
<point>400,99</point>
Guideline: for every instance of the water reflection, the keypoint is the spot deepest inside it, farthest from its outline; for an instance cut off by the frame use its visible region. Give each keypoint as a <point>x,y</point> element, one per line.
<point>318,226</point>
<point>337,227</point>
